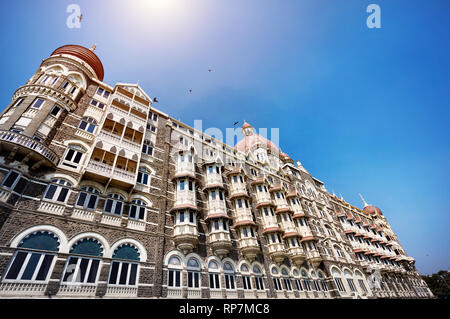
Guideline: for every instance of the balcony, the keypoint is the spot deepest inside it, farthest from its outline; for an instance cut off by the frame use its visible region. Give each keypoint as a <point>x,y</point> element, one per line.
<point>185,169</point>
<point>237,190</point>
<point>270,221</point>
<point>297,255</point>
<point>213,180</point>
<point>277,252</point>
<point>185,237</point>
<point>136,224</point>
<point>24,290</point>
<point>314,258</point>
<point>124,176</point>
<point>83,214</point>
<point>304,231</point>
<point>111,220</point>
<point>99,168</point>
<point>31,149</point>
<point>263,198</point>
<point>52,208</point>
<point>220,242</point>
<point>216,207</point>
<point>75,290</point>
<point>85,135</point>
<point>249,247</point>
<point>243,214</point>
<point>185,199</point>
<point>121,292</point>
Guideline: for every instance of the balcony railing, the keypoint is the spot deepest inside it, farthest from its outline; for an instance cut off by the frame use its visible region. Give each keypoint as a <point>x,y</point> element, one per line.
<point>213,179</point>
<point>185,198</point>
<point>29,143</point>
<point>185,168</point>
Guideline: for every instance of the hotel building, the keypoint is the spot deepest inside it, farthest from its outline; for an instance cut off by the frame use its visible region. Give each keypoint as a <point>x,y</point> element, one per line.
<point>104,196</point>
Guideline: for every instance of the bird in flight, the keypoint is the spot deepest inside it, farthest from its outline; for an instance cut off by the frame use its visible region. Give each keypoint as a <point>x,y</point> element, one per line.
<point>236,123</point>
<point>190,91</point>
<point>80,17</point>
<point>155,100</point>
<point>209,70</point>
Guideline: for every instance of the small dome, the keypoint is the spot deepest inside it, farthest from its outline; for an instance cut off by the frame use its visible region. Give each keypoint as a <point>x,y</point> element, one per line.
<point>84,54</point>
<point>369,209</point>
<point>250,139</point>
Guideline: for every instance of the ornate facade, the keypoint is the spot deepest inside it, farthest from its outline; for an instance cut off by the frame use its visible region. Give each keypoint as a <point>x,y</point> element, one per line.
<point>104,196</point>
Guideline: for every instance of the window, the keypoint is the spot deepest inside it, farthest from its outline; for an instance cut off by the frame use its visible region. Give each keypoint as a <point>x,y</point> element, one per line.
<point>277,283</point>
<point>137,210</point>
<point>229,276</point>
<point>55,110</point>
<point>153,116</point>
<point>37,103</point>
<point>15,182</point>
<point>73,156</point>
<point>83,270</point>
<point>143,176</point>
<point>57,191</point>
<point>102,92</point>
<point>174,275</point>
<point>33,266</point>
<point>287,284</point>
<point>247,282</point>
<point>351,284</point>
<point>147,147</point>
<point>114,204</point>
<point>88,198</point>
<point>97,104</point>
<point>19,102</point>
<point>151,128</point>
<point>88,124</point>
<point>193,274</point>
<point>214,282</point>
<point>361,284</point>
<point>121,272</point>
<point>339,284</point>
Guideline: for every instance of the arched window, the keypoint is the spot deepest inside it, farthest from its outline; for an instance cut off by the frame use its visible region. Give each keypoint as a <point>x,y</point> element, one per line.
<point>276,279</point>
<point>58,190</point>
<point>83,269</point>
<point>174,272</point>
<point>286,279</point>
<point>88,198</point>
<point>137,209</point>
<point>114,204</point>
<point>228,270</point>
<point>259,280</point>
<point>124,273</point>
<point>33,265</point>
<point>213,269</point>
<point>306,281</point>
<point>88,124</point>
<point>338,280</point>
<point>193,273</point>
<point>246,280</point>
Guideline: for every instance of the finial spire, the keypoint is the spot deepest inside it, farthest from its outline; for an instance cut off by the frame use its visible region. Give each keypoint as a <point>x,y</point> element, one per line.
<point>365,204</point>
<point>93,47</point>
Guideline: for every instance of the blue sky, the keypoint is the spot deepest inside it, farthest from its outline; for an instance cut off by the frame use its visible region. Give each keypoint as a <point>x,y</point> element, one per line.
<point>365,110</point>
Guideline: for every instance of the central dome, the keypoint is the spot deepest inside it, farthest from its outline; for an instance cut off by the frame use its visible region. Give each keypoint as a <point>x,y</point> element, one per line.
<point>84,54</point>
<point>251,139</point>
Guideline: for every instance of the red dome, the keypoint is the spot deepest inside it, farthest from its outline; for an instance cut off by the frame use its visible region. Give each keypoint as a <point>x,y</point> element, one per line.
<point>372,210</point>
<point>248,141</point>
<point>84,54</point>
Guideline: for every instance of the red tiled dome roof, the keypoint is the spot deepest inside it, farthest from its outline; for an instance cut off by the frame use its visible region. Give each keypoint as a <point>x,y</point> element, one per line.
<point>84,54</point>
<point>369,209</point>
<point>248,141</point>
